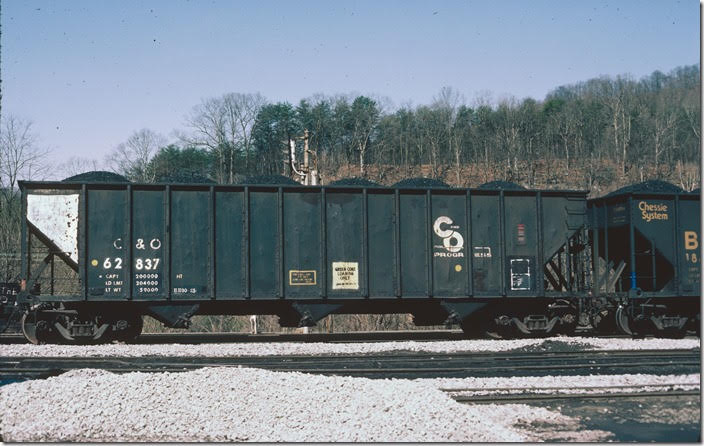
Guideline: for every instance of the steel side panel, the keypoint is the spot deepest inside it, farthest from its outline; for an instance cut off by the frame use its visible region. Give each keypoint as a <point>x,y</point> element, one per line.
<point>659,231</point>
<point>264,236</point>
<point>617,219</point>
<point>381,245</point>
<point>414,256</point>
<point>106,242</point>
<point>449,245</point>
<point>344,244</point>
<point>485,247</point>
<point>302,267</point>
<point>521,242</point>
<point>289,238</point>
<point>555,224</point>
<point>690,241</point>
<point>189,244</point>
<point>147,244</point>
<point>599,224</point>
<point>228,245</point>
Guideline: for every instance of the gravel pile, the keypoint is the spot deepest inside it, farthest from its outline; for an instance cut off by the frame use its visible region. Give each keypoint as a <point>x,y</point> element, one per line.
<point>421,182</point>
<point>241,404</point>
<point>96,176</point>
<point>269,179</point>
<point>290,348</point>
<point>354,181</point>
<point>502,185</point>
<point>650,186</point>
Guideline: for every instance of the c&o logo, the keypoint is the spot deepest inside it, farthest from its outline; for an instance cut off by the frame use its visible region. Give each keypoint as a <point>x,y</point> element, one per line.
<point>452,240</point>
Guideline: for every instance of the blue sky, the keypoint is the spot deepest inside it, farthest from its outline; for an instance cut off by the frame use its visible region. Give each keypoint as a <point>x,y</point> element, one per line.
<point>89,73</point>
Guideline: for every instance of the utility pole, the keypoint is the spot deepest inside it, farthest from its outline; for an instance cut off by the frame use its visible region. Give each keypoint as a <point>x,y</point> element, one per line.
<point>307,172</point>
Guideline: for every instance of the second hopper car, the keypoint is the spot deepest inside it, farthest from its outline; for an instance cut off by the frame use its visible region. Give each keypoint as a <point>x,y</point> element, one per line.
<point>647,262</point>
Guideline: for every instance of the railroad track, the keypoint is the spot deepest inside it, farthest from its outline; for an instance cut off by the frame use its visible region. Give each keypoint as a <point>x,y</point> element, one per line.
<point>388,365</point>
<point>203,338</point>
<point>365,336</point>
<point>542,394</point>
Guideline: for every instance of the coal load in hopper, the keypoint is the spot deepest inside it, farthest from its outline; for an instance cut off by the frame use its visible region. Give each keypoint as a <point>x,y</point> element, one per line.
<point>648,187</point>
<point>354,181</point>
<point>269,179</point>
<point>501,185</point>
<point>421,182</point>
<point>96,176</point>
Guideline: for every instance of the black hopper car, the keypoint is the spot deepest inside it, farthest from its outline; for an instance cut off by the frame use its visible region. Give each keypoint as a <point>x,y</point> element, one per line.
<point>497,261</point>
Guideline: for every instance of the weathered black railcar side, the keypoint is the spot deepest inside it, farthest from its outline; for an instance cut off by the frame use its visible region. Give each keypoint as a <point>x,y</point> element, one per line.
<point>647,260</point>
<point>174,250</point>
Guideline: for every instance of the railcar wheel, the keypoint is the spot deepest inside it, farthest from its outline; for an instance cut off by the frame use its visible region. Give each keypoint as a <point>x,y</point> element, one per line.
<point>38,328</point>
<point>29,327</point>
<point>476,328</point>
<point>638,327</point>
<point>482,325</point>
<point>604,321</point>
<point>568,328</point>
<point>569,318</point>
<point>622,322</point>
<point>503,328</point>
<point>128,328</point>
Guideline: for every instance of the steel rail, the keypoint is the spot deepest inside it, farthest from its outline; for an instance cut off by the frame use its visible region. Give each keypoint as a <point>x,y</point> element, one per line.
<point>523,398</point>
<point>202,337</point>
<point>373,336</point>
<point>397,355</point>
<point>515,389</point>
<point>387,365</point>
<point>381,372</point>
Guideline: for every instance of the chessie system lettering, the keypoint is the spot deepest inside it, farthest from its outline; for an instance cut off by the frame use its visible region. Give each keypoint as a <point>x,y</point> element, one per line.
<point>651,212</point>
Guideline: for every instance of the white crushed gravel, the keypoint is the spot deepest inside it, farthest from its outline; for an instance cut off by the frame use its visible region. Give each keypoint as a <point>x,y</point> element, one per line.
<point>290,348</point>
<point>243,404</point>
<point>687,413</point>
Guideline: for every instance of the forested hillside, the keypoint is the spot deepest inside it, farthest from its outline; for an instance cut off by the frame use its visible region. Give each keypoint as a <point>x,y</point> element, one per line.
<point>598,135</point>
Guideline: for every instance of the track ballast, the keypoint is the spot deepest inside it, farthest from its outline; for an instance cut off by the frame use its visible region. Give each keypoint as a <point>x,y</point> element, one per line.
<point>387,365</point>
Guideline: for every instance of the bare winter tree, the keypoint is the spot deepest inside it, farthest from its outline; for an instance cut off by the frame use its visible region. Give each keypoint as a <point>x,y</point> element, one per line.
<point>20,159</point>
<point>76,164</point>
<point>664,122</point>
<point>692,111</point>
<point>241,112</point>
<point>207,121</point>
<point>131,158</point>
<point>448,103</point>
<point>615,95</point>
<point>224,126</point>
<point>363,117</point>
<point>508,132</point>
